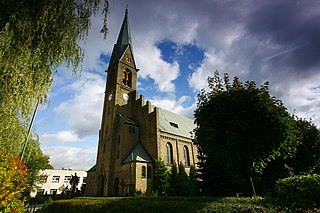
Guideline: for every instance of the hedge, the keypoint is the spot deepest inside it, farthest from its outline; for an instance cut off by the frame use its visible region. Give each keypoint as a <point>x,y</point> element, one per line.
<point>302,191</point>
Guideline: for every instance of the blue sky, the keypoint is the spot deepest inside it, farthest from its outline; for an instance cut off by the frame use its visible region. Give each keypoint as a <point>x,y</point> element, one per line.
<point>176,45</point>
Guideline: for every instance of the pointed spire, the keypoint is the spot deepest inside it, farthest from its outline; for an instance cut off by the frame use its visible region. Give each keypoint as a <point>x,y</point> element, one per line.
<point>124,38</point>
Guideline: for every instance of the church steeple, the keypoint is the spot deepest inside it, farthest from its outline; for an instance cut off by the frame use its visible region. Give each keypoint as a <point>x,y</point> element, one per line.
<point>122,70</point>
<point>124,38</point>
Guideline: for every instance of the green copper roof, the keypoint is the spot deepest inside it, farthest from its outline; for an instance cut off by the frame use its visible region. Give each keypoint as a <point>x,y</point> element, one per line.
<point>124,38</point>
<point>137,154</point>
<point>175,124</point>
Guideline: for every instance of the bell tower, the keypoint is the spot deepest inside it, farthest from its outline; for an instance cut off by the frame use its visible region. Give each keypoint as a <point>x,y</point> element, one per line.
<point>120,89</point>
<point>122,71</point>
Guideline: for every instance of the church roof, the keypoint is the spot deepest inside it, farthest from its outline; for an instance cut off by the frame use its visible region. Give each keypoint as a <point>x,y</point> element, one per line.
<point>137,154</point>
<point>175,124</point>
<point>124,38</point>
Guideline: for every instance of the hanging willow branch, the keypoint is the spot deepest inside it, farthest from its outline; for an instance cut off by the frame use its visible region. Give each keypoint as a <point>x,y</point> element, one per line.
<point>36,36</point>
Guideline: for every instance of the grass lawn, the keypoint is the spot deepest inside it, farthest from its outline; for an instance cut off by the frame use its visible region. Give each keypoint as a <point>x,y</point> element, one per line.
<point>166,204</point>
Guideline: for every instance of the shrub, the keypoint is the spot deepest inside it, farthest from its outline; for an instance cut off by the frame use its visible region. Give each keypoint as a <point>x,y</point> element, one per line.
<point>13,182</point>
<point>299,191</point>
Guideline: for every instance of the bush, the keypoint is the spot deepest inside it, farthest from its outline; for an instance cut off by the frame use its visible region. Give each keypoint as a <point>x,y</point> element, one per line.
<point>299,191</point>
<point>162,205</point>
<point>13,183</point>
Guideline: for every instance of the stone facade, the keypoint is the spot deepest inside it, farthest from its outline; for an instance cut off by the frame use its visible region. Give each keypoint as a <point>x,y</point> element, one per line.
<point>133,132</point>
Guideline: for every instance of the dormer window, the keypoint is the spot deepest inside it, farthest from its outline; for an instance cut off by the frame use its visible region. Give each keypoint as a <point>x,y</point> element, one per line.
<point>127,78</point>
<point>174,125</point>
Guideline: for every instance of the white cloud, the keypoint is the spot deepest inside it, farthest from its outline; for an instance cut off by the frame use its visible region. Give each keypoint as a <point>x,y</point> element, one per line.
<point>211,63</point>
<point>71,157</point>
<point>176,106</point>
<point>83,111</point>
<point>163,73</point>
<point>302,97</point>
<point>60,137</point>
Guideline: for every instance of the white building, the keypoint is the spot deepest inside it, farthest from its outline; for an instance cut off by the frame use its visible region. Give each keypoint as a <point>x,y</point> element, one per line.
<point>57,181</point>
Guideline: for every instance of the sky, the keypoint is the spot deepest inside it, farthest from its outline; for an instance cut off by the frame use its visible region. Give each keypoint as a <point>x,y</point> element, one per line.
<point>177,45</point>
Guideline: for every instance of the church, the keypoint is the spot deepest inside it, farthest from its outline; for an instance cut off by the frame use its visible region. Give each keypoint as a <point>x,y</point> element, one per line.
<point>133,132</point>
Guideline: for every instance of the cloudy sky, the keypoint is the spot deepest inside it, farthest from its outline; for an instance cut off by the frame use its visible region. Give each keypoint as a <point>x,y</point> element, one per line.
<point>176,45</point>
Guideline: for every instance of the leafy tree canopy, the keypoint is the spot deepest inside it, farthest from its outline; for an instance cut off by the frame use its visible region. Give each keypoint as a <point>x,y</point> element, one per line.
<point>240,129</point>
<point>35,37</point>
<point>307,159</point>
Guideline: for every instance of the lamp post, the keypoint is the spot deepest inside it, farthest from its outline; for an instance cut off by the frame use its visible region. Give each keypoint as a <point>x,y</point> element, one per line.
<point>29,131</point>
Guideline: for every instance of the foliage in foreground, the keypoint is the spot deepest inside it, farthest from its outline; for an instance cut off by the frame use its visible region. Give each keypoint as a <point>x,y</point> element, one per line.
<point>160,178</point>
<point>174,183</point>
<point>35,38</point>
<point>240,130</point>
<point>299,190</point>
<point>166,204</point>
<point>13,182</point>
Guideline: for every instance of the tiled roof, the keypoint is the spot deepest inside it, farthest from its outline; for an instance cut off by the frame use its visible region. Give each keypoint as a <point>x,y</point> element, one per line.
<point>137,154</point>
<point>124,38</point>
<point>175,124</point>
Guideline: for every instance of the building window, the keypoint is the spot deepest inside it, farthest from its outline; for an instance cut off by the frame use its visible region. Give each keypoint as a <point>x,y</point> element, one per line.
<point>133,130</point>
<point>127,78</point>
<point>186,156</point>
<point>55,179</point>
<point>149,172</point>
<point>67,179</point>
<point>53,191</point>
<point>174,125</point>
<point>118,153</point>
<point>84,180</point>
<point>143,172</point>
<point>118,140</point>
<point>169,153</point>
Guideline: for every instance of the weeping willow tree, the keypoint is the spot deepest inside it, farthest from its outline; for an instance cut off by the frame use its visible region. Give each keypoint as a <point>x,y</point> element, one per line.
<point>35,38</point>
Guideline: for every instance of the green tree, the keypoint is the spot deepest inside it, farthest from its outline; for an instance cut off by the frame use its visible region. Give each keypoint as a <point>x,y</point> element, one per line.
<point>35,38</point>
<point>193,185</point>
<point>173,180</point>
<point>183,183</point>
<point>160,178</point>
<point>305,161</point>
<point>307,158</point>
<point>35,160</point>
<point>240,129</point>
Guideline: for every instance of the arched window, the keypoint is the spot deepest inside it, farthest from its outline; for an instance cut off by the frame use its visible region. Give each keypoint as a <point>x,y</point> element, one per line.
<point>169,153</point>
<point>124,77</point>
<point>127,78</point>
<point>186,156</point>
<point>143,172</point>
<point>149,172</point>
